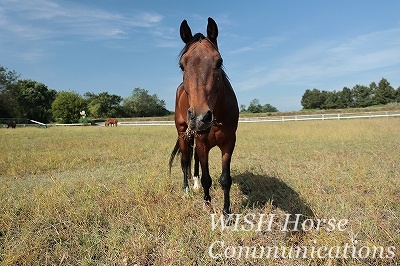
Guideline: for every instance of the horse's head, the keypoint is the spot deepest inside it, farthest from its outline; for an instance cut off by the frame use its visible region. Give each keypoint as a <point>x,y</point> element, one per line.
<point>201,64</point>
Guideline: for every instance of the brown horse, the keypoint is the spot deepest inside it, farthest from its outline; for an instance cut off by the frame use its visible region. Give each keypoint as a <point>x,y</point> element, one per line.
<point>111,122</point>
<point>206,110</point>
<point>11,124</point>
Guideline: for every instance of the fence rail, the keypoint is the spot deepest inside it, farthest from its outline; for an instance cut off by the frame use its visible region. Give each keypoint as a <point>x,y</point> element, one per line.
<point>338,116</point>
<point>147,123</point>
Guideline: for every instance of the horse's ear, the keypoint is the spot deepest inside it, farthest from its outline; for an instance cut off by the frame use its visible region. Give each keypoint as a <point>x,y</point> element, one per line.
<point>186,32</point>
<point>212,30</point>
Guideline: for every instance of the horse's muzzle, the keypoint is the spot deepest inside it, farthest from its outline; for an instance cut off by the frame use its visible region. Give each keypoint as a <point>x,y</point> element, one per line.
<point>199,122</point>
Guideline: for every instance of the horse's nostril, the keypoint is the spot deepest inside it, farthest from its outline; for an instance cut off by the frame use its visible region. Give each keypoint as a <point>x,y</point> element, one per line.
<point>207,118</point>
<point>191,115</point>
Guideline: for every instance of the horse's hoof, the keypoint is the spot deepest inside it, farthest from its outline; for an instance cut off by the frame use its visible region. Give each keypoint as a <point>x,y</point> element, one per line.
<point>207,198</point>
<point>196,185</point>
<point>227,218</point>
<point>186,191</point>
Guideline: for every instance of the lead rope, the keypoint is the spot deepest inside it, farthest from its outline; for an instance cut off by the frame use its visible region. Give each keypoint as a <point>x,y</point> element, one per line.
<point>189,133</point>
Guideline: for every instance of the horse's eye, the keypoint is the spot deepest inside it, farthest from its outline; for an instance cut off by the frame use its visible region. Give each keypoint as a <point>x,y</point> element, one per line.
<point>181,67</point>
<point>219,64</point>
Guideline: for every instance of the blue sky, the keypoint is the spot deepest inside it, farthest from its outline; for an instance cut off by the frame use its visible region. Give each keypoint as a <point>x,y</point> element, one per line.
<point>272,50</point>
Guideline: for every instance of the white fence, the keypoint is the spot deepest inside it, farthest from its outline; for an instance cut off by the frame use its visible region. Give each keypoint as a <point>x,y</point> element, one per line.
<point>147,123</point>
<point>338,116</point>
<point>272,118</point>
<point>38,123</point>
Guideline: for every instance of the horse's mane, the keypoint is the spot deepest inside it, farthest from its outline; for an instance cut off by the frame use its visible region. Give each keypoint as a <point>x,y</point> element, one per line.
<point>196,38</point>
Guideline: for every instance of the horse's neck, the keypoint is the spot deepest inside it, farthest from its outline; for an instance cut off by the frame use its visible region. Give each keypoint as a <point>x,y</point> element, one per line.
<point>227,101</point>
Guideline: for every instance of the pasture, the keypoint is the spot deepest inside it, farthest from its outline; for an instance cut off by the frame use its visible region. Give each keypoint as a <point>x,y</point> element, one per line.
<point>103,196</point>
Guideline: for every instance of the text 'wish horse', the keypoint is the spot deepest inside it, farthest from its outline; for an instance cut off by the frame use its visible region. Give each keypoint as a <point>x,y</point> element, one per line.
<point>206,110</point>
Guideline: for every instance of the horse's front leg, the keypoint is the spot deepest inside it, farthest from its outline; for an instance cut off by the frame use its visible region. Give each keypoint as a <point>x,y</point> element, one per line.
<point>225,179</point>
<point>196,185</point>
<point>202,154</point>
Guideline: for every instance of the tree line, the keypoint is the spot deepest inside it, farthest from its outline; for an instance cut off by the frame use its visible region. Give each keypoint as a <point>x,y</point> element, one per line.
<point>358,97</point>
<point>256,107</point>
<point>25,98</point>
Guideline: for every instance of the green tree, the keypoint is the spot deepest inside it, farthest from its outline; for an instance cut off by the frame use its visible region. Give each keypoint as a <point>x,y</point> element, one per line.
<point>255,106</point>
<point>243,108</point>
<point>34,99</point>
<point>362,95</point>
<point>267,108</point>
<point>142,104</point>
<point>7,78</point>
<point>67,106</point>
<point>398,95</point>
<point>345,98</point>
<point>373,88</point>
<point>331,100</point>
<point>8,102</point>
<point>313,99</point>
<point>384,93</point>
<point>103,104</point>
<point>359,96</point>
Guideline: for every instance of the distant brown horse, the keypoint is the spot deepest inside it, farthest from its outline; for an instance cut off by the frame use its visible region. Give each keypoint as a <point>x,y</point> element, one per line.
<point>111,122</point>
<point>206,110</point>
<point>11,124</point>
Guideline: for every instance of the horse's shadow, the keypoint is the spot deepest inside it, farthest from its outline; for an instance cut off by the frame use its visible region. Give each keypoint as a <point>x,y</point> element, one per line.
<point>260,190</point>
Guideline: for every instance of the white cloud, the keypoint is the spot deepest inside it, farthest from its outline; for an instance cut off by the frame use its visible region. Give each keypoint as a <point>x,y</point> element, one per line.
<point>327,61</point>
<point>263,44</point>
<point>31,30</point>
<point>40,19</point>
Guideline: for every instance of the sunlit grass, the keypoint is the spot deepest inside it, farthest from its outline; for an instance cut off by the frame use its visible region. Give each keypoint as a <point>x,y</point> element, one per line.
<point>96,195</point>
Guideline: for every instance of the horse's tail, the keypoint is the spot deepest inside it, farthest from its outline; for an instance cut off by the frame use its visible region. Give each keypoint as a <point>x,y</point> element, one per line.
<point>173,154</point>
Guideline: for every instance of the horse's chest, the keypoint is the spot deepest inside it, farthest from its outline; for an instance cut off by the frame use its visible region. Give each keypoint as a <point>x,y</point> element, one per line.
<point>216,138</point>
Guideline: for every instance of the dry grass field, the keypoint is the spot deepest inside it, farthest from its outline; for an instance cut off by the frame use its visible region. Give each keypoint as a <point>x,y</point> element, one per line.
<point>103,196</point>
